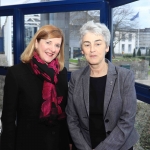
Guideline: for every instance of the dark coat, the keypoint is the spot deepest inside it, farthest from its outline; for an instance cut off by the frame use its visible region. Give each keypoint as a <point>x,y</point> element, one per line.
<point>119,109</point>
<point>21,128</point>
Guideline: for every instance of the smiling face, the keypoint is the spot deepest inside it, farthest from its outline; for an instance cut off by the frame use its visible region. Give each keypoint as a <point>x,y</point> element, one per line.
<point>94,48</point>
<point>48,49</point>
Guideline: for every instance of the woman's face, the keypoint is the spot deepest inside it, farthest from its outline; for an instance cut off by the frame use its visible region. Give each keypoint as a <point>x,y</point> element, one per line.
<point>48,49</point>
<point>94,48</point>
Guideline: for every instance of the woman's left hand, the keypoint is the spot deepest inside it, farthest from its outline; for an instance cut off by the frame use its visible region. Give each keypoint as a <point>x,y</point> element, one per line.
<point>70,146</point>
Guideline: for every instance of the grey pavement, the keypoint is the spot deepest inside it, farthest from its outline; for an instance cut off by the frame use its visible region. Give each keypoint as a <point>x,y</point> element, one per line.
<point>145,82</point>
<point>73,67</point>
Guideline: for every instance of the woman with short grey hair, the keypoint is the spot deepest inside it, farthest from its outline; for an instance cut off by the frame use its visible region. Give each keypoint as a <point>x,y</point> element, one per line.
<point>102,100</point>
<point>97,29</point>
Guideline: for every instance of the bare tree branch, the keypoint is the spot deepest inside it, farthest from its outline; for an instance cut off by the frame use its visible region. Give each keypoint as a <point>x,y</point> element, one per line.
<point>121,20</point>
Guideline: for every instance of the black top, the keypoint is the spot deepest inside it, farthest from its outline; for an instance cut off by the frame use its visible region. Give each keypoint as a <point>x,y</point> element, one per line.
<point>96,100</point>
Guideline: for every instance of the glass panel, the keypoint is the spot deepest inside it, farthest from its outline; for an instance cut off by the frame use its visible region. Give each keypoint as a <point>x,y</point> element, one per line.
<point>32,24</point>
<point>142,122</point>
<point>70,23</point>
<point>16,2</point>
<point>6,41</point>
<point>131,39</point>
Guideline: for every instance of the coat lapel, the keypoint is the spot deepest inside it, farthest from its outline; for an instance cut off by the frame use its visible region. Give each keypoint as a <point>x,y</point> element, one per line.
<point>85,83</point>
<point>110,83</point>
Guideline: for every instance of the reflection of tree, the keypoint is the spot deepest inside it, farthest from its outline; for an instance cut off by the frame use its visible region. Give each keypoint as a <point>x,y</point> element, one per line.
<point>139,52</point>
<point>78,18</point>
<point>121,21</point>
<point>81,17</point>
<point>134,53</point>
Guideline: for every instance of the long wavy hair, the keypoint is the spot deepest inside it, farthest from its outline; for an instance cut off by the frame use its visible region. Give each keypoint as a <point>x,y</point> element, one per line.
<point>45,32</point>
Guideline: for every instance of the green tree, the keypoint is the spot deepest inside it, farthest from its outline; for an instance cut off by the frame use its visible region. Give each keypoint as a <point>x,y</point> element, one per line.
<point>139,52</point>
<point>122,25</point>
<point>134,53</point>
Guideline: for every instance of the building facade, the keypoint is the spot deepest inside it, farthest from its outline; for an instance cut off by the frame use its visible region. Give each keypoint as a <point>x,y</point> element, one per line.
<point>125,41</point>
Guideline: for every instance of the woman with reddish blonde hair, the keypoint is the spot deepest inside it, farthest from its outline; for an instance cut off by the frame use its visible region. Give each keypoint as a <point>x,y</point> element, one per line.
<point>35,95</point>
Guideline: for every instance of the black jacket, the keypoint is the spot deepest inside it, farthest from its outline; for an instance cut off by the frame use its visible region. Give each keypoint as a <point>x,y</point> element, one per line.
<point>21,128</point>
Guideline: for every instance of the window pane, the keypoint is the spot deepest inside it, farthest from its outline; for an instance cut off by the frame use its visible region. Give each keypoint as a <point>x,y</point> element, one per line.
<point>132,20</point>
<point>131,39</point>
<point>32,24</point>
<point>6,41</point>
<point>70,23</point>
<point>129,48</point>
<point>123,37</point>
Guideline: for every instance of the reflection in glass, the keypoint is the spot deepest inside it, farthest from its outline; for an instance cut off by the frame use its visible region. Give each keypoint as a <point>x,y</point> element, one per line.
<point>77,19</point>
<point>131,36</point>
<point>70,23</point>
<point>131,50</point>
<point>6,41</point>
<point>32,24</point>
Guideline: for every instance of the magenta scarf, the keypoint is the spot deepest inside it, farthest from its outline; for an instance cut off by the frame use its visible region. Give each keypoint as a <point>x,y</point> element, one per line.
<point>50,108</point>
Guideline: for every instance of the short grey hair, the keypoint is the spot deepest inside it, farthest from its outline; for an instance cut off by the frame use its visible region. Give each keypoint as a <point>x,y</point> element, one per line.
<point>96,28</point>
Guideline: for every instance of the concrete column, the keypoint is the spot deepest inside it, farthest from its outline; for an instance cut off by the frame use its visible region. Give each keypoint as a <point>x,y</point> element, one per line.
<point>7,41</point>
<point>71,51</point>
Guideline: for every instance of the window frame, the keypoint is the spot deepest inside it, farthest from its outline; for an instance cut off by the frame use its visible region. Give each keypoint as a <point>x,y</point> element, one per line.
<point>105,7</point>
<point>19,11</point>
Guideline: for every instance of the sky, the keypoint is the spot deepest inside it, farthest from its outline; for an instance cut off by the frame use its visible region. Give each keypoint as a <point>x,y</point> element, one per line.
<point>141,6</point>
<point>10,2</point>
